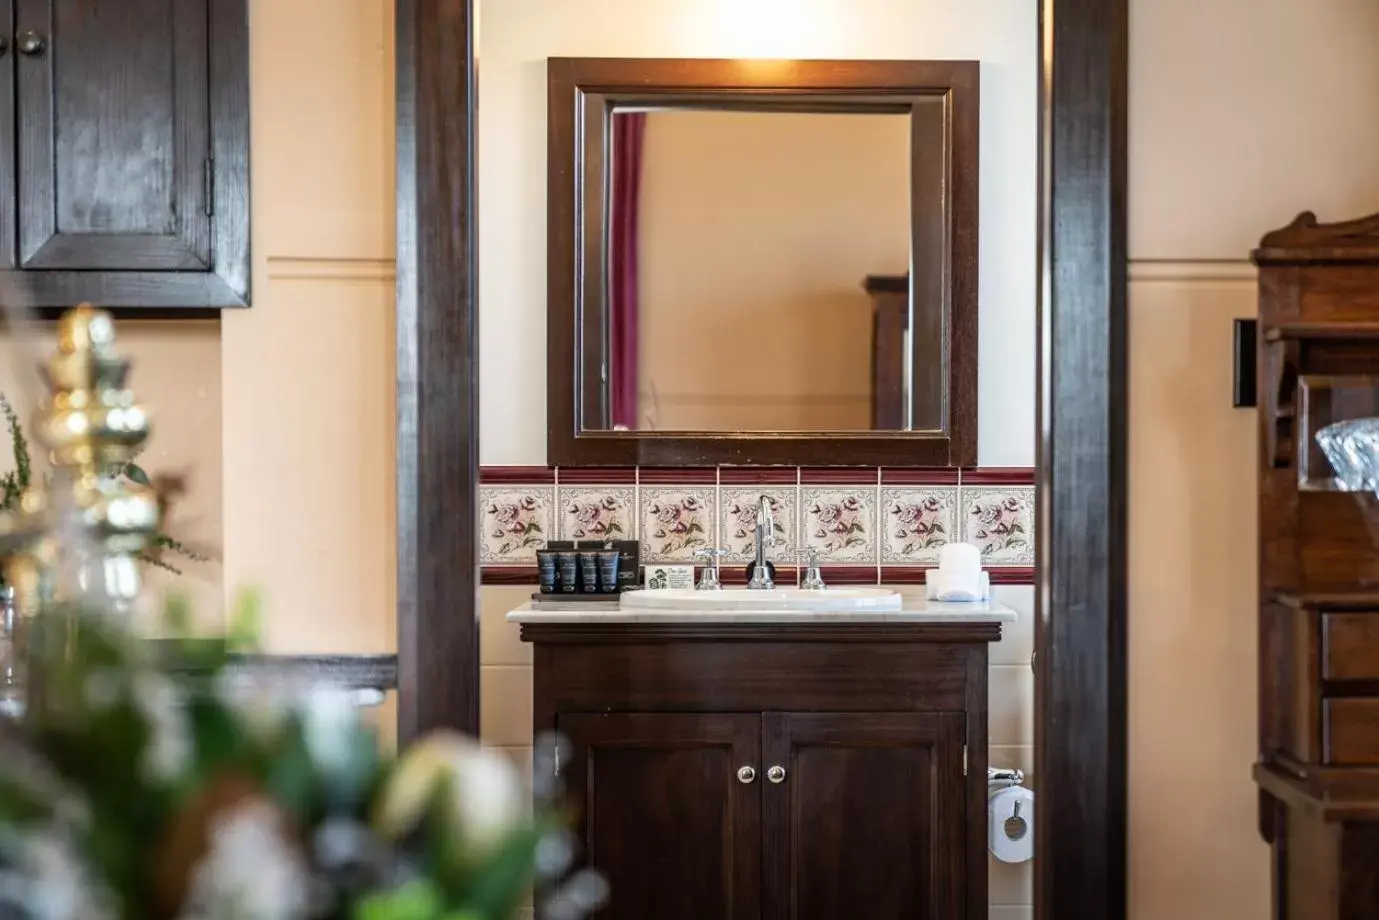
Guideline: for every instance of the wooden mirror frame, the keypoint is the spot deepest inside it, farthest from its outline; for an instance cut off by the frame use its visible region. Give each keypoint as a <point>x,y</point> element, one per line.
<point>943,218</point>
<point>1080,634</point>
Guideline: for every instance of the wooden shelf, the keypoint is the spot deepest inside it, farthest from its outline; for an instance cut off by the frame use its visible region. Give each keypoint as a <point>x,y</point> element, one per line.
<point>1322,332</point>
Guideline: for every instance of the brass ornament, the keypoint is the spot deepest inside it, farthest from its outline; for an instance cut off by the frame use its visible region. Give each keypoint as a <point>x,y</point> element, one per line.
<point>79,531</point>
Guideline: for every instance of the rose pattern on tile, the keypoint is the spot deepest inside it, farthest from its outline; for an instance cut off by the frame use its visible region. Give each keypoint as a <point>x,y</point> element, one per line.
<point>513,523</point>
<point>1000,523</point>
<point>738,512</point>
<point>917,522</point>
<point>597,513</point>
<point>839,524</point>
<point>675,523</point>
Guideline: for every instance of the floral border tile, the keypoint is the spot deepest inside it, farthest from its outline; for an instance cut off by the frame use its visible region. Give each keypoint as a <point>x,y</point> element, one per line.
<point>737,516</point>
<point>676,522</point>
<point>1000,523</point>
<point>840,523</point>
<point>916,523</point>
<point>514,522</point>
<point>598,513</point>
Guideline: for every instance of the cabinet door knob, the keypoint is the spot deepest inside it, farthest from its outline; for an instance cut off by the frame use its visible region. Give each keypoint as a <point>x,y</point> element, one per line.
<point>31,43</point>
<point>746,774</point>
<point>776,774</point>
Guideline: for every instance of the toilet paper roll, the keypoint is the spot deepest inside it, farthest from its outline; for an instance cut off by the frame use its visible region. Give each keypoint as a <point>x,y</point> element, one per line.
<point>1010,833</point>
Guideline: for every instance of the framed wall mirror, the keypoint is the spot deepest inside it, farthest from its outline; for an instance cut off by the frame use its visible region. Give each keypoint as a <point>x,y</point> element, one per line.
<point>762,262</point>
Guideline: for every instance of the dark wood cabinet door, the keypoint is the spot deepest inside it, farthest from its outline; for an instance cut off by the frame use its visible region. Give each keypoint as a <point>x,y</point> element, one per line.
<point>113,136</point>
<point>863,814</point>
<point>664,814</point>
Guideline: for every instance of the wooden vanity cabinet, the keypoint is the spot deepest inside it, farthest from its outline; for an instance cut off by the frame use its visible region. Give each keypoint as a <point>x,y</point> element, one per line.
<point>796,771</point>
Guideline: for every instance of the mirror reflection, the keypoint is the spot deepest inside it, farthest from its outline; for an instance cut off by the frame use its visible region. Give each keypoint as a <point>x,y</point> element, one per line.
<point>756,268</point>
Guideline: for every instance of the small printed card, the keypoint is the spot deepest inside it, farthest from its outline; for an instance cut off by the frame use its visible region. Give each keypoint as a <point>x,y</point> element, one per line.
<point>669,576</point>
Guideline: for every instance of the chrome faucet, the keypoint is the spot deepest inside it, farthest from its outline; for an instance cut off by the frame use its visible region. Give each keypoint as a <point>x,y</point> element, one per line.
<point>765,536</point>
<point>813,578</point>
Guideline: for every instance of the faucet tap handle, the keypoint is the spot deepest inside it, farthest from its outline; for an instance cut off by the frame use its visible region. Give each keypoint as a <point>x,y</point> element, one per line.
<point>709,580</point>
<point>813,579</point>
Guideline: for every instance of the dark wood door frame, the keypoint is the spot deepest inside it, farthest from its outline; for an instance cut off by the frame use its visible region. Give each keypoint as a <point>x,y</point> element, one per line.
<point>437,370</point>
<point>1080,630</point>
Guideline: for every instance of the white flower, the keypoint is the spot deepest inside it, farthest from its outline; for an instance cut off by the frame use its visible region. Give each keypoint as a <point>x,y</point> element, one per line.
<point>169,750</point>
<point>250,872</point>
<point>50,879</point>
<point>485,792</point>
<point>330,720</point>
<point>259,708</point>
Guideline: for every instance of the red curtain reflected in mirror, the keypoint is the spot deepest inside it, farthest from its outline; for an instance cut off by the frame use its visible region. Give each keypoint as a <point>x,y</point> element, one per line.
<point>629,128</point>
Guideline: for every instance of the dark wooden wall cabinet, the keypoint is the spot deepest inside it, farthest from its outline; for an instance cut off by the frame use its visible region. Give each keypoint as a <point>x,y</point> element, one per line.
<point>802,771</point>
<point>1318,770</point>
<point>124,152</point>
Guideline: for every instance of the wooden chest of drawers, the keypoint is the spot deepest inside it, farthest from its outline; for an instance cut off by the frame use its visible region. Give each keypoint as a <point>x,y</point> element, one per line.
<point>1327,704</point>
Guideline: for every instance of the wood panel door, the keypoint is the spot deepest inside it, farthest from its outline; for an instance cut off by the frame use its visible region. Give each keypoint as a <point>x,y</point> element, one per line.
<point>667,812</point>
<point>113,136</point>
<point>863,813</point>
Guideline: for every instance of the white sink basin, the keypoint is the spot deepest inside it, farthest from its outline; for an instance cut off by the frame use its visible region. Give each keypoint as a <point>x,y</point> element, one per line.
<point>729,600</point>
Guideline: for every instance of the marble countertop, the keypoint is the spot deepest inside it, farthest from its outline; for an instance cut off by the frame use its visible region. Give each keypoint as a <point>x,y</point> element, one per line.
<point>914,610</point>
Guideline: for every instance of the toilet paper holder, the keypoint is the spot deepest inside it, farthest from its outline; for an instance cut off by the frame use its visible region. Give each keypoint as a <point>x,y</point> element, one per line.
<point>1016,826</point>
<point>997,778</point>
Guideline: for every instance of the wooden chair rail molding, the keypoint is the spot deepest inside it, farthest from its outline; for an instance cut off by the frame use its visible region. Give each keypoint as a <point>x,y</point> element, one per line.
<point>1318,362</point>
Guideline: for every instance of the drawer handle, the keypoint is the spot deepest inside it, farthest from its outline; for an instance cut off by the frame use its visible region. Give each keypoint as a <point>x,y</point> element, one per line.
<point>776,774</point>
<point>745,775</point>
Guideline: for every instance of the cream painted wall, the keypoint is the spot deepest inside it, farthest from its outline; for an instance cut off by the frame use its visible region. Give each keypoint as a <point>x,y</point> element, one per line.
<point>1242,113</point>
<point>517,37</point>
<point>790,212</point>
<point>308,376</point>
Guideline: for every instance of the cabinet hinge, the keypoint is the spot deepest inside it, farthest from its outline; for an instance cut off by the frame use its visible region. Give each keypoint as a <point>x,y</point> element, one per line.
<point>208,185</point>
<point>964,760</point>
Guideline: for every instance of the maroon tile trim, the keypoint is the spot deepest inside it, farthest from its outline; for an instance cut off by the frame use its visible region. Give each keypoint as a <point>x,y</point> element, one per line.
<point>916,574</point>
<point>999,476</point>
<point>789,575</point>
<point>678,476</point>
<point>516,475</point>
<point>919,477</point>
<point>1012,575</point>
<point>838,475</point>
<point>758,475</point>
<point>507,575</point>
<point>903,574</point>
<point>597,475</point>
<point>849,574</point>
<point>786,575</point>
